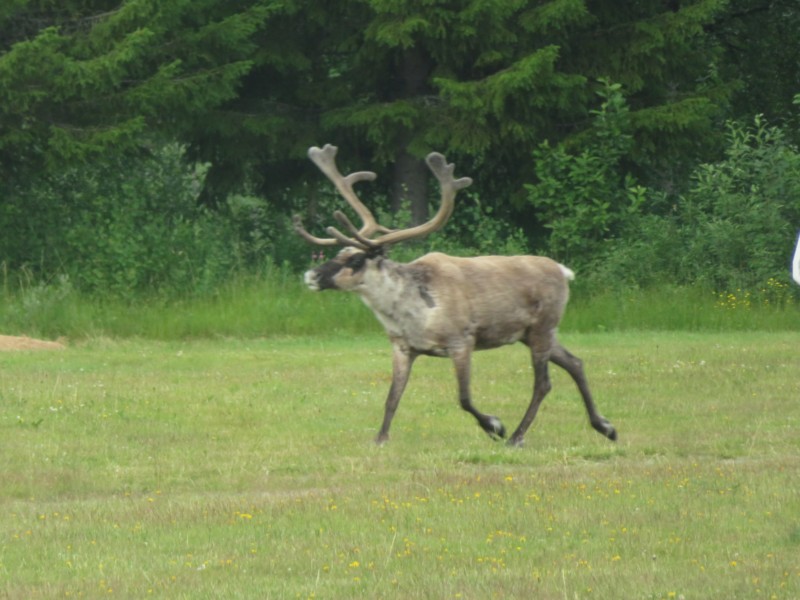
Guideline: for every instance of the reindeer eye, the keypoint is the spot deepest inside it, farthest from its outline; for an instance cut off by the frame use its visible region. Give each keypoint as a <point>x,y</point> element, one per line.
<point>356,262</point>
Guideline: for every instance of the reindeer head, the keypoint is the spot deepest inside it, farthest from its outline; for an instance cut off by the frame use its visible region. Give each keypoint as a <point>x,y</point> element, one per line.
<point>346,271</point>
<point>362,253</point>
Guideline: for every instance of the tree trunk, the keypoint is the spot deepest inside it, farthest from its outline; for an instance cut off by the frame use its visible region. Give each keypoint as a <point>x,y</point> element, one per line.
<point>410,186</point>
<point>410,175</point>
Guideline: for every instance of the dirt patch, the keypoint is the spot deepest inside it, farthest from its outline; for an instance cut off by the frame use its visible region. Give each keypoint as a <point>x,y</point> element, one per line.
<point>13,342</point>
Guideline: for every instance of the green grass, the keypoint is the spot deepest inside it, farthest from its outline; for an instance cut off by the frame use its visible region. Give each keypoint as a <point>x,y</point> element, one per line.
<point>244,468</point>
<point>677,308</point>
<point>279,304</point>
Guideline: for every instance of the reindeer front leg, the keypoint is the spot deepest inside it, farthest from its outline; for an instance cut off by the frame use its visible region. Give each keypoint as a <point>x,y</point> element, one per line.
<point>491,425</point>
<point>402,361</point>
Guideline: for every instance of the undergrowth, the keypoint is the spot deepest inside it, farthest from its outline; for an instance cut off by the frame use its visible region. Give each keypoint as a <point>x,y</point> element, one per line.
<point>276,303</point>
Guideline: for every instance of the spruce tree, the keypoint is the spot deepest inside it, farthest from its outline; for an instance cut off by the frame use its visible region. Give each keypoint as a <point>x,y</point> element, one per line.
<point>84,76</point>
<point>487,81</point>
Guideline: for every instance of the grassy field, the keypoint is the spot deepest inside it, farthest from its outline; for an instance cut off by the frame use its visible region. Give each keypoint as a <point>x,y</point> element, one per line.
<point>238,468</point>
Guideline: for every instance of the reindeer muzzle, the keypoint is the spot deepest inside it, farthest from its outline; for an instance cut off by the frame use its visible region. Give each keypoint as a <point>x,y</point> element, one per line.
<point>311,279</point>
<point>321,278</point>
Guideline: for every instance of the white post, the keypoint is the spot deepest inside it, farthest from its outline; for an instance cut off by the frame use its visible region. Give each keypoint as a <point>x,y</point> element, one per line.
<point>796,262</point>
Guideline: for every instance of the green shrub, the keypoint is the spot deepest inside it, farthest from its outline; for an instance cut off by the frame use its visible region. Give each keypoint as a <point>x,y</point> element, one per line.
<point>121,227</point>
<point>475,230</point>
<point>264,237</point>
<point>740,216</point>
<point>585,199</point>
<point>733,229</point>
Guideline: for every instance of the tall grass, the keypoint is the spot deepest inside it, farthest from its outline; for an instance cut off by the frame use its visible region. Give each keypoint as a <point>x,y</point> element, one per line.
<point>276,303</point>
<point>678,308</point>
<point>272,303</point>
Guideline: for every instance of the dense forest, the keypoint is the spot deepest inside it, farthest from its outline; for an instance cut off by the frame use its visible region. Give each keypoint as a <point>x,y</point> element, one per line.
<point>149,145</point>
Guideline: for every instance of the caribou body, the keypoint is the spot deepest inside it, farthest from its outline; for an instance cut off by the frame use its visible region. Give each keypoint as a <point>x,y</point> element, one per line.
<point>796,262</point>
<point>446,306</point>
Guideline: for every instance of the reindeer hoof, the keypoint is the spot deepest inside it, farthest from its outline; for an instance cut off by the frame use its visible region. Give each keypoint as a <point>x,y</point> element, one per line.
<point>381,439</point>
<point>494,427</point>
<point>606,428</point>
<point>515,442</point>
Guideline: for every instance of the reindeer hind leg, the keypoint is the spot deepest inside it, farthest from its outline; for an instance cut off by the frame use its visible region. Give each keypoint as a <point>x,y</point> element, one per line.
<point>541,386</point>
<point>574,366</point>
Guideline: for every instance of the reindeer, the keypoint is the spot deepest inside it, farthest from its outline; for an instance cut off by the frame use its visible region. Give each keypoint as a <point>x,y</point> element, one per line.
<point>446,306</point>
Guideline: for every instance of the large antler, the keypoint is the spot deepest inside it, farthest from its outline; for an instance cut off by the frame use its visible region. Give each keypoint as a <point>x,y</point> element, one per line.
<point>449,186</point>
<point>324,159</point>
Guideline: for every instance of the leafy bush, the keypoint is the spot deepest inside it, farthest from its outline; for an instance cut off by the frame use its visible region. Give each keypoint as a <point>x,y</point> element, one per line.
<point>120,227</point>
<point>586,198</point>
<point>475,229</point>
<point>740,216</point>
<point>262,236</point>
<point>646,254</point>
<point>733,229</point>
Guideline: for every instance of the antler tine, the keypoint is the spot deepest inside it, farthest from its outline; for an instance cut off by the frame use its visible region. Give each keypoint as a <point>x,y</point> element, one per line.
<point>343,240</point>
<point>297,223</point>
<point>325,159</point>
<point>444,172</point>
<point>449,186</point>
<point>364,243</point>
